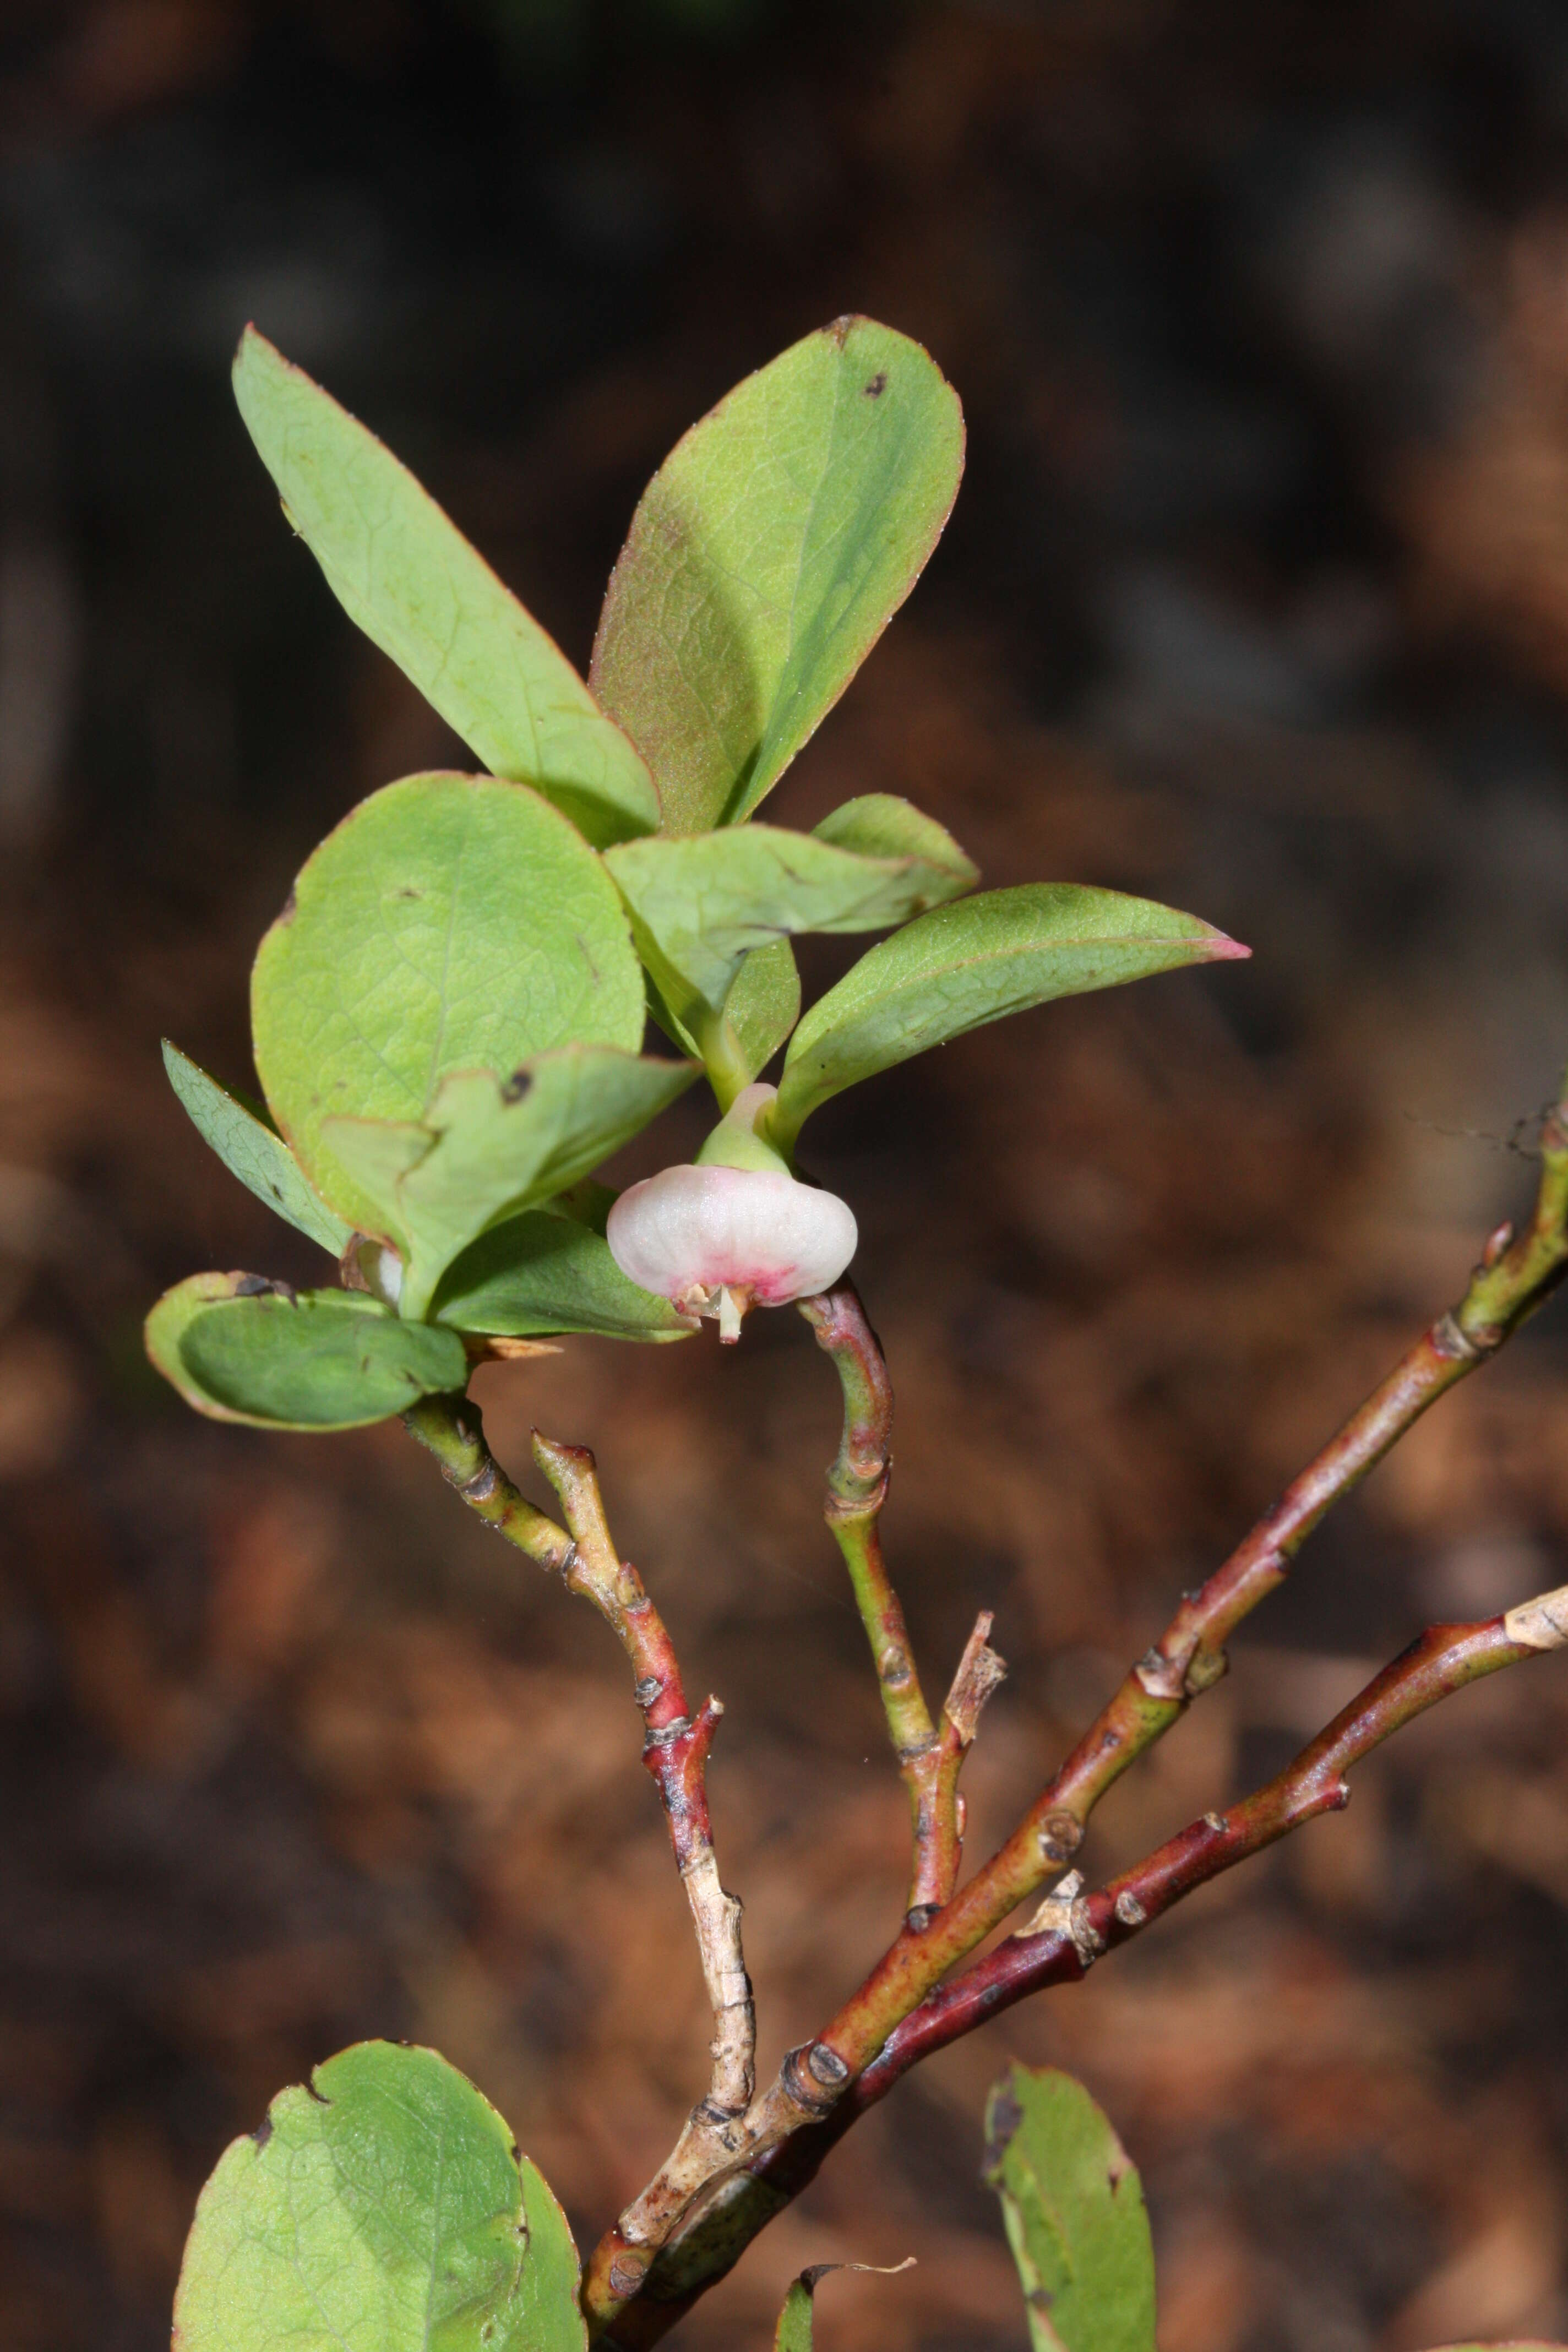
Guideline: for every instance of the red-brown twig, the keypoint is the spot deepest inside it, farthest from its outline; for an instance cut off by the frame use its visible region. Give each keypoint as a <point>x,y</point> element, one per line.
<point>675,1751</point>
<point>1514,1277</point>
<point>1072,1929</point>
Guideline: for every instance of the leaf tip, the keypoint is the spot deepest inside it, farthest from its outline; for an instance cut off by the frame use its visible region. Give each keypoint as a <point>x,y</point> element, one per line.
<point>1221,949</point>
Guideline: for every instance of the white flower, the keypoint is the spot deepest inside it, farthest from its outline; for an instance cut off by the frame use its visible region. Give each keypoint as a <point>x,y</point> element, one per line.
<point>715,1239</point>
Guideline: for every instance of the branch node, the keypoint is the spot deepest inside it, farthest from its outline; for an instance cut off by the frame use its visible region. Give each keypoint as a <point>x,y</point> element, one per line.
<point>1542,1623</point>
<point>918,1920</point>
<point>1129,1910</point>
<point>1161,1677</point>
<point>813,2076</point>
<point>1060,1836</point>
<point>1217,1822</point>
<point>1065,1913</point>
<point>1453,1343</point>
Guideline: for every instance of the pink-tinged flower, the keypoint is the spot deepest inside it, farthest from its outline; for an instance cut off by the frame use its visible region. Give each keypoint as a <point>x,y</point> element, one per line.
<point>716,1239</point>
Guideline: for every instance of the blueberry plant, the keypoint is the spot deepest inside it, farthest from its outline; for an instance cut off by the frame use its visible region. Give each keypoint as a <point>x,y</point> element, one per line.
<point>449,1016</point>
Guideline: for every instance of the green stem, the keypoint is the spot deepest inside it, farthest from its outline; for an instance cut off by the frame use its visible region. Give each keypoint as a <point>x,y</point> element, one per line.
<point>450,1428</point>
<point>928,1758</point>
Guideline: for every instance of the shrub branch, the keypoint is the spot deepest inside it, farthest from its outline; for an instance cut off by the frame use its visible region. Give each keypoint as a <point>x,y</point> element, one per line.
<point>841,2068</point>
<point>1071,1929</point>
<point>675,1751</point>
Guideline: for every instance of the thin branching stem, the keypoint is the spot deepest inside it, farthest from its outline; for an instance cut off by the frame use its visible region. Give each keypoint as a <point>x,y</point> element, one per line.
<point>930,1754</point>
<point>1516,1274</point>
<point>677,1741</point>
<point>1071,1930</point>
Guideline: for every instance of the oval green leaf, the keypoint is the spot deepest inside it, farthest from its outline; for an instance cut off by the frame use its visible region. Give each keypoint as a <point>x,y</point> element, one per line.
<point>882,824</point>
<point>1073,2206</point>
<point>962,965</point>
<point>238,1347</point>
<point>251,1148</point>
<point>700,906</point>
<point>385,2209</point>
<point>767,556</point>
<point>540,1274</point>
<point>449,923</point>
<point>416,588</point>
<point>488,1148</point>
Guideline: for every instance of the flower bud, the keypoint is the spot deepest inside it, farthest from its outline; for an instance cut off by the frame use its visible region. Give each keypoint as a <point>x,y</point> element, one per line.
<point>736,1230</point>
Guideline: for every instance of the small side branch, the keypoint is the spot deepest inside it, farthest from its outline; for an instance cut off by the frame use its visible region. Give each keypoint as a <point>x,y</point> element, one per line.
<point>675,1750</point>
<point>676,1753</point>
<point>940,1851</point>
<point>451,1429</point>
<point>929,1756</point>
<point>1071,1929</point>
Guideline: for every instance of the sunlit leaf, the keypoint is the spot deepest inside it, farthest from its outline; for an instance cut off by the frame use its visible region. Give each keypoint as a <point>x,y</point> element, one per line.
<point>413,585</point>
<point>700,906</point>
<point>880,825</point>
<point>251,1148</point>
<point>964,965</point>
<point>241,1349</point>
<point>487,1147</point>
<point>449,923</point>
<point>1073,2206</point>
<point>766,557</point>
<point>540,1274</point>
<point>384,2209</point>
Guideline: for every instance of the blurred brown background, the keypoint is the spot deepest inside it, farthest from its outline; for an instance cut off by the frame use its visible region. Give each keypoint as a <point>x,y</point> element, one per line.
<point>1255,600</point>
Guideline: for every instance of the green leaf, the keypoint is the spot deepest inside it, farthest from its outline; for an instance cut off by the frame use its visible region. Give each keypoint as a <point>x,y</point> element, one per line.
<point>449,923</point>
<point>487,1147</point>
<point>767,556</point>
<point>1073,2206</point>
<point>795,2328</point>
<point>699,906</point>
<point>412,584</point>
<point>964,965</point>
<point>238,1347</point>
<point>793,2331</point>
<point>541,1274</point>
<point>762,1007</point>
<point>880,825</point>
<point>384,2209</point>
<point>251,1148</point>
